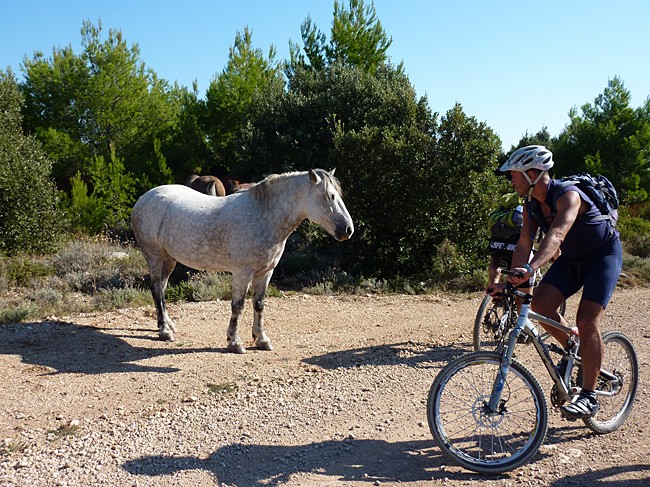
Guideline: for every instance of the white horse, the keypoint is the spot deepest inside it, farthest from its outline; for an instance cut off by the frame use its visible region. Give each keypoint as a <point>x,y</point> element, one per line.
<point>244,233</point>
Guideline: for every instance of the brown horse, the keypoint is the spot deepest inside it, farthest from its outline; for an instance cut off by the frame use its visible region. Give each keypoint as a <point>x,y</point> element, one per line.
<point>233,185</point>
<point>229,184</point>
<point>210,185</point>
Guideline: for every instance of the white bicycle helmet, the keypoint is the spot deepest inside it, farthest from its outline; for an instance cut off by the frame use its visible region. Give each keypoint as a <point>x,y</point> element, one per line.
<point>529,157</point>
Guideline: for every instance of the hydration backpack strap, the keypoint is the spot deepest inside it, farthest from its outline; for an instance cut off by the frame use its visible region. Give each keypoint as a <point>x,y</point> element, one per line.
<point>564,184</point>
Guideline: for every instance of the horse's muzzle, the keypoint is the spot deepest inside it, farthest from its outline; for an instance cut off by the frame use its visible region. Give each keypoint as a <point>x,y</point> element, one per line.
<point>344,233</point>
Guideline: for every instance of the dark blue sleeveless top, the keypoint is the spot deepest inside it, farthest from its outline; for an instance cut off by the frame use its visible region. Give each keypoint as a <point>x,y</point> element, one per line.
<point>587,234</point>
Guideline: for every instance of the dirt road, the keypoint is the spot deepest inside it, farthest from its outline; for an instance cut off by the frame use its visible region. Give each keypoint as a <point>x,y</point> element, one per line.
<point>96,399</point>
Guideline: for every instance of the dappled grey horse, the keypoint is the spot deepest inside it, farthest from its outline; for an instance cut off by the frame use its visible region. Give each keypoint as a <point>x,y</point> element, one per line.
<point>243,233</point>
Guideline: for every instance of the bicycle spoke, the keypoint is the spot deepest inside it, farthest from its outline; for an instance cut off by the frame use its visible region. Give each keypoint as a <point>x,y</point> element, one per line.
<point>468,432</point>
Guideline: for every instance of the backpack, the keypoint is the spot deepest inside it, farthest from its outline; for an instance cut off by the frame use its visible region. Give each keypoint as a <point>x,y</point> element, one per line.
<point>598,189</point>
<point>505,222</point>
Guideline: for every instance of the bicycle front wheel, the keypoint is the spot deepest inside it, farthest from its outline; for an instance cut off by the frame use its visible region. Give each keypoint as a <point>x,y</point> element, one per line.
<point>617,398</point>
<point>468,433</point>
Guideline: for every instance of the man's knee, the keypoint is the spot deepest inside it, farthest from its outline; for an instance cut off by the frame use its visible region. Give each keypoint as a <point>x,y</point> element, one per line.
<point>546,299</point>
<point>589,316</point>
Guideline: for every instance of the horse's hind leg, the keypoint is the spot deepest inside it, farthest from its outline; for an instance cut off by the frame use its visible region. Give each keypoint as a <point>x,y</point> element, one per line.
<point>260,285</point>
<point>239,290</point>
<point>161,266</point>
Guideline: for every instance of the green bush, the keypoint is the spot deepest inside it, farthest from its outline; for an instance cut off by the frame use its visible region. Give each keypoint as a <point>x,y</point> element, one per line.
<point>636,271</point>
<point>29,215</point>
<point>85,212</point>
<point>21,270</point>
<point>16,312</point>
<point>635,234</point>
<point>201,286</point>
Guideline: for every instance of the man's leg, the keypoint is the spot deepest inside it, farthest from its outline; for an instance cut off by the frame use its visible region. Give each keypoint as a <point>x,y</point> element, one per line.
<point>585,405</point>
<point>591,343</point>
<point>547,299</point>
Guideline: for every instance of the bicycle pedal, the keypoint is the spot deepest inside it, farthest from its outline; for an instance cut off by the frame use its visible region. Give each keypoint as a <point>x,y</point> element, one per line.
<point>567,418</point>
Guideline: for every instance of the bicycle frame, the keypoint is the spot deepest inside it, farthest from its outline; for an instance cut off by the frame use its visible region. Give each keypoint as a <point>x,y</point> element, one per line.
<point>524,325</point>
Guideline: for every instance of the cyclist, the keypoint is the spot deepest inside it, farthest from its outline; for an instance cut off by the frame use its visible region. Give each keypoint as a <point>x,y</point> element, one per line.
<point>505,226</point>
<point>591,258</point>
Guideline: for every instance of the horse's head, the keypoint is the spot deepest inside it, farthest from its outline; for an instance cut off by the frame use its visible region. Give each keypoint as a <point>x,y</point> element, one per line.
<point>326,207</point>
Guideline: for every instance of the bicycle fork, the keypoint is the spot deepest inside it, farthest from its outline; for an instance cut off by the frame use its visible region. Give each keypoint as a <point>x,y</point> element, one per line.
<point>496,405</point>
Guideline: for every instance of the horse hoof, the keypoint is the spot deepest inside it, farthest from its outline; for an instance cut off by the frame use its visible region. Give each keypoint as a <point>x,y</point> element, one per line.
<point>265,346</point>
<point>237,348</point>
<point>166,336</point>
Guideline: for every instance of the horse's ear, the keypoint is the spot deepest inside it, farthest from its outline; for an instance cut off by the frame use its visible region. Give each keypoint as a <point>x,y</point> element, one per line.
<point>332,172</point>
<point>314,177</point>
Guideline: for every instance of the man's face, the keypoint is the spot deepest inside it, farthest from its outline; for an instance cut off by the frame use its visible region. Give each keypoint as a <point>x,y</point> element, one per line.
<point>519,182</point>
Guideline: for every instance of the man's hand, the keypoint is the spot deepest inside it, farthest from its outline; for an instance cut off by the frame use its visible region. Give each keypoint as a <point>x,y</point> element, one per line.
<point>522,275</point>
<point>495,289</point>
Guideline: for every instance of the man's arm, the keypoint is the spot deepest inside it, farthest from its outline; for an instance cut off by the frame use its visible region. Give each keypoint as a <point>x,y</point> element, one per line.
<point>568,208</point>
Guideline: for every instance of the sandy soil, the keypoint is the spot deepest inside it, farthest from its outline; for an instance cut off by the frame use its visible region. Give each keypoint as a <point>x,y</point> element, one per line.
<point>97,399</point>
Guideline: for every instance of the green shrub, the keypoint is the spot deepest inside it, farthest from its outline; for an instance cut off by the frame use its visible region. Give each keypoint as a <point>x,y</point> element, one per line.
<point>635,234</point>
<point>201,286</point>
<point>636,271</point>
<point>16,312</point>
<point>23,270</point>
<point>85,212</point>
<point>29,215</point>
<point>121,298</point>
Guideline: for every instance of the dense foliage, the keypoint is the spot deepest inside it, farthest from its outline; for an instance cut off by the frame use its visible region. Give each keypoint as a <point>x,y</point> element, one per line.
<point>100,105</point>
<point>610,138</point>
<point>29,218</point>
<point>418,184</point>
<point>411,183</point>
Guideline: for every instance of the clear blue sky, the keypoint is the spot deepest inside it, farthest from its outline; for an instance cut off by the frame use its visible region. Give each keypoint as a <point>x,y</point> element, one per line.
<point>516,65</point>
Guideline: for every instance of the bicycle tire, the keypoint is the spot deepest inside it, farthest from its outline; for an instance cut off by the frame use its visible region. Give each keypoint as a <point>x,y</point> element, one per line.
<point>621,360</point>
<point>482,338</point>
<point>484,443</point>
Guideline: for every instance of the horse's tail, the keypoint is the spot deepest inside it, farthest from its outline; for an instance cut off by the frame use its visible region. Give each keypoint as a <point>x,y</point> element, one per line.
<point>217,186</point>
<point>211,189</point>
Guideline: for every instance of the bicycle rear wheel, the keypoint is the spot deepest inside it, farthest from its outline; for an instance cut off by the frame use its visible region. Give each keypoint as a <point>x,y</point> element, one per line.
<point>620,360</point>
<point>471,436</point>
<point>492,323</point>
<point>494,320</point>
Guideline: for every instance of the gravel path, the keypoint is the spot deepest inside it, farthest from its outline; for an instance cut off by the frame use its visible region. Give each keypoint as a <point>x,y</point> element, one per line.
<point>96,399</point>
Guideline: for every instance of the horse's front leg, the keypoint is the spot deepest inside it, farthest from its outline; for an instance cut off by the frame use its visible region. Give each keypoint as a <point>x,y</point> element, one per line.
<point>260,285</point>
<point>239,289</point>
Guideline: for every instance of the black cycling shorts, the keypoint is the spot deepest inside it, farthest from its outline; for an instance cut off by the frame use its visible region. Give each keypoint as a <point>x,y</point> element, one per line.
<point>598,274</point>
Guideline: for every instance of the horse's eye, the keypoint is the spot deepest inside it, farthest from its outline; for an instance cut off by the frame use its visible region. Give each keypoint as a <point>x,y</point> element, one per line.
<point>332,196</point>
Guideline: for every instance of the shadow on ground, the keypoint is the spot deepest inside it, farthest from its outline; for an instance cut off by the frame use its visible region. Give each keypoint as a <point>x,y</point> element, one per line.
<point>369,461</point>
<point>411,354</point>
<point>345,460</point>
<point>72,348</point>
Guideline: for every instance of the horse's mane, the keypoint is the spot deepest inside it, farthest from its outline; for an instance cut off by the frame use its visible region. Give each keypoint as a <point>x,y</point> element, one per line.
<point>263,190</point>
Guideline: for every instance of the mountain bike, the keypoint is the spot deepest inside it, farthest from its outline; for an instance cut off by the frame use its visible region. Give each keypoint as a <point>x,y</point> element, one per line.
<point>495,317</point>
<point>488,412</point>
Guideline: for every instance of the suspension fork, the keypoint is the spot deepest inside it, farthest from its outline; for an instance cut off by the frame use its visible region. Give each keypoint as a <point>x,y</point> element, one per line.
<point>506,359</point>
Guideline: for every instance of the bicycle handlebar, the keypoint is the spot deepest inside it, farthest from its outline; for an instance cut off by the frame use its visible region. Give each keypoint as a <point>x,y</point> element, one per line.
<point>513,290</point>
<point>508,272</point>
